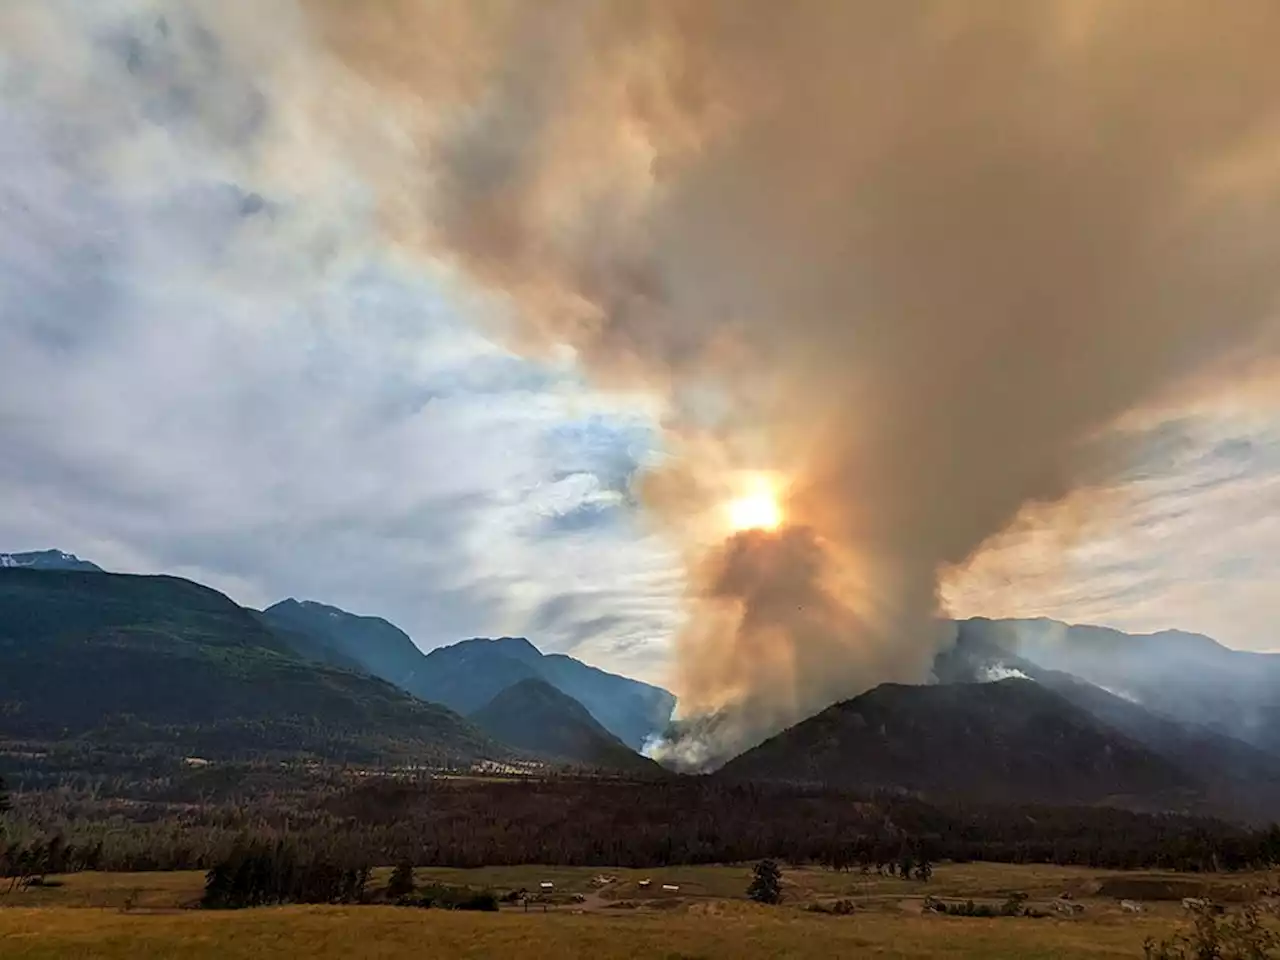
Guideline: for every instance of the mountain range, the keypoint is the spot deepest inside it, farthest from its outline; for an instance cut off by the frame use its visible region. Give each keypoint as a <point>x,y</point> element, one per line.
<point>1015,710</point>
<point>149,664</point>
<point>159,664</point>
<point>1187,677</point>
<point>467,675</point>
<point>1002,720</point>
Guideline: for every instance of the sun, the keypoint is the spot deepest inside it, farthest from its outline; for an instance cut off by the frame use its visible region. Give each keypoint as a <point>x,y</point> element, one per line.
<point>758,510</point>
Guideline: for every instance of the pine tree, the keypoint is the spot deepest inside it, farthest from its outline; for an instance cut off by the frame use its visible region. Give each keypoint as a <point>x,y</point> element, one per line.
<point>4,797</point>
<point>217,887</point>
<point>401,883</point>
<point>766,885</point>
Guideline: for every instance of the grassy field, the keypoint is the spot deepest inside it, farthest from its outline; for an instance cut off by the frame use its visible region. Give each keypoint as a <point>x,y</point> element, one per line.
<point>87,917</point>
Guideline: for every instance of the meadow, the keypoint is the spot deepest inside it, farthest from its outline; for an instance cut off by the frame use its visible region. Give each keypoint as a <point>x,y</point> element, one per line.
<point>143,916</point>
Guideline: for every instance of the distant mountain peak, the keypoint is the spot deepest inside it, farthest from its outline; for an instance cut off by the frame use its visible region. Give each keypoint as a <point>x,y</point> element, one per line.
<point>47,560</point>
<point>519,648</point>
<point>534,715</point>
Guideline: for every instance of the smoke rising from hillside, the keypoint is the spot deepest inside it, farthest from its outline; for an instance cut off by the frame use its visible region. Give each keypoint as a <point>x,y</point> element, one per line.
<point>914,257</point>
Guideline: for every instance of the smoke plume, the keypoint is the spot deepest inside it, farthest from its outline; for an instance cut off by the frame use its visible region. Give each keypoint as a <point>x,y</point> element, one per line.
<point>910,258</point>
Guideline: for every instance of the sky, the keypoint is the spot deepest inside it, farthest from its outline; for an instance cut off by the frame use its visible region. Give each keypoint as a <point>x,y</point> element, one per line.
<point>226,372</point>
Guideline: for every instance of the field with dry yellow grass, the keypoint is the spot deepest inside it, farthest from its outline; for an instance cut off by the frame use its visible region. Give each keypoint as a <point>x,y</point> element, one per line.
<point>144,916</point>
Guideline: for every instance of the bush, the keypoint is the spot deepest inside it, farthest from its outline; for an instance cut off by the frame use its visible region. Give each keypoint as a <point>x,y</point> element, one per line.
<point>457,898</point>
<point>966,909</point>
<point>839,908</point>
<point>1214,937</point>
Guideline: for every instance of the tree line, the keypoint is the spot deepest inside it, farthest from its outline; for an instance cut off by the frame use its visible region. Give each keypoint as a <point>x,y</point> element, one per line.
<point>354,820</point>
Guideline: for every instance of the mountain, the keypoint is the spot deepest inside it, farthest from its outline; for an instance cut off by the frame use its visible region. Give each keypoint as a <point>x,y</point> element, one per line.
<point>160,664</point>
<point>1240,777</point>
<point>46,560</point>
<point>1185,677</point>
<point>330,635</point>
<point>1007,741</point>
<point>534,716</point>
<point>632,710</point>
<point>467,675</point>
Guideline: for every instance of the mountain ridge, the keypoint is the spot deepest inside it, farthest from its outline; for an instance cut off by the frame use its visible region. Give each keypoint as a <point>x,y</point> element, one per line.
<point>1007,741</point>
<point>467,675</point>
<point>47,560</point>
<point>156,663</point>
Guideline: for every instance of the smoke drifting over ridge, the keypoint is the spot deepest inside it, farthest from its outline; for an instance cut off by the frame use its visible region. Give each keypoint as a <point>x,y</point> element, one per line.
<point>912,258</point>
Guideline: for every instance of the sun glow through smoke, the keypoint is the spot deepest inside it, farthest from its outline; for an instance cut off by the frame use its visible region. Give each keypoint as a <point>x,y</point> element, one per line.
<point>756,510</point>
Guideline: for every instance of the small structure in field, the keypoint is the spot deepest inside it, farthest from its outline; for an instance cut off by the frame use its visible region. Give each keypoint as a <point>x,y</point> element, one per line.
<point>1129,906</point>
<point>671,888</point>
<point>546,886</point>
<point>644,884</point>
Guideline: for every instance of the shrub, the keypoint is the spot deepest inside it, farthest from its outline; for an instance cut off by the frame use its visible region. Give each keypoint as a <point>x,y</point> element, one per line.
<point>457,898</point>
<point>1214,937</point>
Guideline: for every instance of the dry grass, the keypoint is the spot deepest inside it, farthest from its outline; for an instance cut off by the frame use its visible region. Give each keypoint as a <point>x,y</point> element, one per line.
<point>85,918</point>
<point>375,932</point>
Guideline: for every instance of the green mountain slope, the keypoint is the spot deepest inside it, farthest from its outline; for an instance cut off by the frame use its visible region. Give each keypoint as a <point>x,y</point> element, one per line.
<point>534,716</point>
<point>321,632</point>
<point>1184,676</point>
<point>160,663</point>
<point>1010,741</point>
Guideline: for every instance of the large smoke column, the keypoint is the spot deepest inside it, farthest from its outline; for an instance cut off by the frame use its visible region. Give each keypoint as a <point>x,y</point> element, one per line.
<point>915,257</point>
<point>924,253</point>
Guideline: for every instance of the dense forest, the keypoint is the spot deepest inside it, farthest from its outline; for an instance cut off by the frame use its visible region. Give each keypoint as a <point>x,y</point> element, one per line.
<point>355,819</point>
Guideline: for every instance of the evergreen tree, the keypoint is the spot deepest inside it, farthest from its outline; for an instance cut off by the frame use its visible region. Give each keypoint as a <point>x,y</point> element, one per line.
<point>766,885</point>
<point>401,883</point>
<point>4,797</point>
<point>217,887</point>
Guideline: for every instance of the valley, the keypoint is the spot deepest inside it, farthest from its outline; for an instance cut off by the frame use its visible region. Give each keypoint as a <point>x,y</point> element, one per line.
<point>151,724</point>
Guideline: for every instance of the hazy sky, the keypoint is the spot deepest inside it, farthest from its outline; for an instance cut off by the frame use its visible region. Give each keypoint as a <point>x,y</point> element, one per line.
<point>207,372</point>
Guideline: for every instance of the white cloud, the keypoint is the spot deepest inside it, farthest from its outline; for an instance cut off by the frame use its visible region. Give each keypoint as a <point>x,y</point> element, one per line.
<point>202,376</point>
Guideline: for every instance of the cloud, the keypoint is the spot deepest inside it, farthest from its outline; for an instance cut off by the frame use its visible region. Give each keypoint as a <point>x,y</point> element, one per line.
<point>206,372</point>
